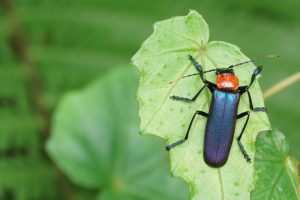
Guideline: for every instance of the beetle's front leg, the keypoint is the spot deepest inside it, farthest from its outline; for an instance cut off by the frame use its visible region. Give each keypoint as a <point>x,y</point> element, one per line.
<point>243,89</point>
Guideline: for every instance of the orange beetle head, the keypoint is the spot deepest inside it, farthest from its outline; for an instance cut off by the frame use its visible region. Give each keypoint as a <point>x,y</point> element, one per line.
<point>226,80</point>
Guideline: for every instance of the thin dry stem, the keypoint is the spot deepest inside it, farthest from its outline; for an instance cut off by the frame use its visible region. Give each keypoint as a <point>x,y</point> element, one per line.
<point>282,85</point>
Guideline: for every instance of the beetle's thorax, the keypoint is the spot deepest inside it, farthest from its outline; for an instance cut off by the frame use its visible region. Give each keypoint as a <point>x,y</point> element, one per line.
<point>227,82</point>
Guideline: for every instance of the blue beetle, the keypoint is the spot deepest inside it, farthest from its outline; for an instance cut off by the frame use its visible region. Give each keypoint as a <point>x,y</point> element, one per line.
<point>222,115</point>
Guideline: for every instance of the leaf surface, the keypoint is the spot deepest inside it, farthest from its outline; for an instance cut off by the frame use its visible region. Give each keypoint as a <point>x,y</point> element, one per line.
<point>95,143</point>
<point>163,58</point>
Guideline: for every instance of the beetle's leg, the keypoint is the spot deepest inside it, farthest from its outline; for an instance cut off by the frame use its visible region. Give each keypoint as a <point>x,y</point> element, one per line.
<point>239,116</point>
<point>198,112</point>
<point>263,109</point>
<point>256,72</point>
<point>197,65</point>
<point>209,84</point>
<point>189,100</point>
<point>177,98</point>
<point>243,89</point>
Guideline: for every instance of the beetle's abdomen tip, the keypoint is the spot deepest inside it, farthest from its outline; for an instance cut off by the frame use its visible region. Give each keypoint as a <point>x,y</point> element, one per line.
<point>214,164</point>
<point>214,161</point>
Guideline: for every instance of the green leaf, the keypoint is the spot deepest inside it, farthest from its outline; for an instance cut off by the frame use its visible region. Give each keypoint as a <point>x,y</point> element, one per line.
<point>163,58</point>
<point>95,143</point>
<point>276,174</point>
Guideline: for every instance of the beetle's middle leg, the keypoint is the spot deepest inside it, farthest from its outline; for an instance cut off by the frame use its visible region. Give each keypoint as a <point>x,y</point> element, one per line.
<point>198,112</point>
<point>244,89</point>
<point>263,109</point>
<point>239,116</point>
<point>177,98</point>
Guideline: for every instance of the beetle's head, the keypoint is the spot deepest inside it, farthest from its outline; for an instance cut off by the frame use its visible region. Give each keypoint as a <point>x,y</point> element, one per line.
<point>224,70</point>
<point>226,80</point>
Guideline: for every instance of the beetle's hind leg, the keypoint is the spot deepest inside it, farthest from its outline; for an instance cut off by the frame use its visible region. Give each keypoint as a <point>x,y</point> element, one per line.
<point>198,112</point>
<point>239,116</point>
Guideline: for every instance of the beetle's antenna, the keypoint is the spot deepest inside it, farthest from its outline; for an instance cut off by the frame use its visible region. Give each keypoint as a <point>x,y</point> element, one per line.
<point>245,62</point>
<point>184,77</point>
<point>192,75</point>
<point>230,67</point>
<point>211,70</point>
<point>242,63</point>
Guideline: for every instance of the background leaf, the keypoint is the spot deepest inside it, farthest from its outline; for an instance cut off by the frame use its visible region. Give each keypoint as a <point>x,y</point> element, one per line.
<point>162,58</point>
<point>276,173</point>
<point>95,143</point>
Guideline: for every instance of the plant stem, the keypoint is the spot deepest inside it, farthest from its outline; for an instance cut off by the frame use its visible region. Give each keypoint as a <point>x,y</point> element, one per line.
<point>282,85</point>
<point>19,47</point>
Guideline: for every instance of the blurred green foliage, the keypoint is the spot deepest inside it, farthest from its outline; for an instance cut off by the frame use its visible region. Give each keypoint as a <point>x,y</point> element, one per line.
<point>276,173</point>
<point>95,142</point>
<point>48,47</point>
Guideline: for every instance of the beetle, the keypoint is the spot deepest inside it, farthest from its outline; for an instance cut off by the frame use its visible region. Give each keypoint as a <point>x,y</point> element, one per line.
<point>222,115</point>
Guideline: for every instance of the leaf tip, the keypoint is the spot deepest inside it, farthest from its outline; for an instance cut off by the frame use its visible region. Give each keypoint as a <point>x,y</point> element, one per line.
<point>192,11</point>
<point>195,13</point>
